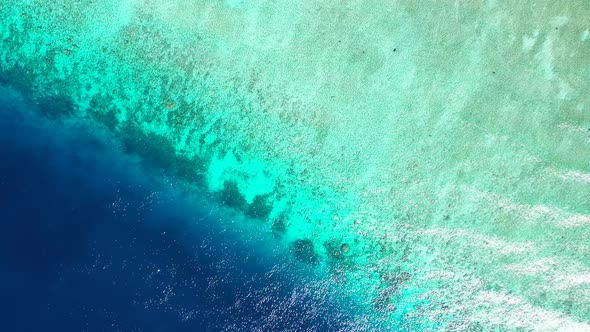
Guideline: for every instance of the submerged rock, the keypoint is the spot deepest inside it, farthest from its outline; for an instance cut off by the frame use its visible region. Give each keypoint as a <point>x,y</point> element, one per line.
<point>345,248</point>
<point>335,250</point>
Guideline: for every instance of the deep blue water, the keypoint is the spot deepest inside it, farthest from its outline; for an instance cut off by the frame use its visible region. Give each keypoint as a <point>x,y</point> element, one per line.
<point>92,241</point>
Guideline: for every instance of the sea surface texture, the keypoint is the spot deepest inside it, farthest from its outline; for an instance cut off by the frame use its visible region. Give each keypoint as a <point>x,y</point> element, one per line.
<point>92,240</point>
<point>409,165</point>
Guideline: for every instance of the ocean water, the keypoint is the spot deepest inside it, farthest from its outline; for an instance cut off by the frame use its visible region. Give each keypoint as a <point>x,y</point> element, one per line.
<point>425,164</point>
<point>93,240</point>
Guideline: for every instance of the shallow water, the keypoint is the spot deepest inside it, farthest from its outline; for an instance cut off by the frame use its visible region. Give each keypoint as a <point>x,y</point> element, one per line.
<point>445,145</point>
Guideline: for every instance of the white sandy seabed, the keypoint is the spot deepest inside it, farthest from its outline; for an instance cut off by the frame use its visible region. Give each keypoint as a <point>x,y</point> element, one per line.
<point>434,156</point>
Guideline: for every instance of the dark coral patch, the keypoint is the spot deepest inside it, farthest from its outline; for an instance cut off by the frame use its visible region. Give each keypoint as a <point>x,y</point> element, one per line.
<point>102,113</point>
<point>304,252</point>
<point>231,196</point>
<point>259,208</point>
<point>278,227</point>
<point>333,250</point>
<point>396,278</point>
<point>336,250</point>
<point>158,152</point>
<point>339,262</point>
<point>20,78</point>
<point>55,106</point>
<point>384,301</point>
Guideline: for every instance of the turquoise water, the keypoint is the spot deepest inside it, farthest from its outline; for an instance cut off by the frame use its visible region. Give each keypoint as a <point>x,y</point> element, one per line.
<point>429,162</point>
